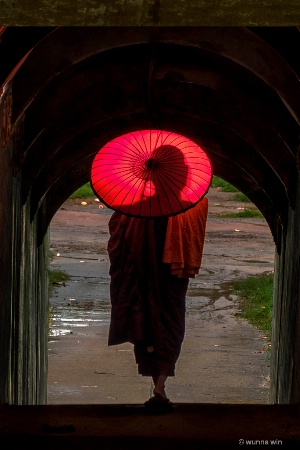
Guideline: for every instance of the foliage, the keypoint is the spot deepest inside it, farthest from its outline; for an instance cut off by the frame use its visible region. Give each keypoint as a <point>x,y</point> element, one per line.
<point>225,187</point>
<point>240,197</point>
<point>244,214</point>
<point>84,191</point>
<point>56,277</point>
<point>256,301</point>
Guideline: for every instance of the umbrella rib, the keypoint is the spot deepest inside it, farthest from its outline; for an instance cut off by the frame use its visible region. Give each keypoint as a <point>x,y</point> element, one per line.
<point>194,192</point>
<point>143,195</point>
<point>171,148</point>
<point>182,141</point>
<point>162,184</point>
<point>148,151</point>
<point>134,150</point>
<point>141,202</point>
<point>166,175</point>
<point>180,173</point>
<point>127,173</point>
<point>106,169</point>
<point>136,191</point>
<point>181,170</point>
<point>128,176</point>
<point>104,178</point>
<point>160,135</point>
<point>142,150</point>
<point>166,164</point>
<point>122,189</point>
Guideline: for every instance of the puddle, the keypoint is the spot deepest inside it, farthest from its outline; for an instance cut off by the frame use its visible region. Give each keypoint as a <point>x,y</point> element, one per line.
<point>67,316</point>
<point>74,313</point>
<point>212,291</point>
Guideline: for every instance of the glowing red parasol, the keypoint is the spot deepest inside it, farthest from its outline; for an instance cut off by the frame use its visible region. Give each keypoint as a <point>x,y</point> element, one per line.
<point>151,173</point>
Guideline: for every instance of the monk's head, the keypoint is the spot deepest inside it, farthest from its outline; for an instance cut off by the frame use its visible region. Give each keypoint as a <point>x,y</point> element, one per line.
<point>167,166</point>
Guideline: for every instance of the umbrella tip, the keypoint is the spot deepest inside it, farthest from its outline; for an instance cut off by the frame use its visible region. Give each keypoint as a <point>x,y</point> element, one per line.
<point>150,163</point>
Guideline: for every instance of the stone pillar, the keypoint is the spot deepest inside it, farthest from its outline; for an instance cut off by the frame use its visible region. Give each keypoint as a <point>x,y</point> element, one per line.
<point>6,233</point>
<point>285,354</point>
<point>23,277</point>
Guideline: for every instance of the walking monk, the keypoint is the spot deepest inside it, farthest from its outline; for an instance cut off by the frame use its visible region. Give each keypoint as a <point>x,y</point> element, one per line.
<point>151,261</point>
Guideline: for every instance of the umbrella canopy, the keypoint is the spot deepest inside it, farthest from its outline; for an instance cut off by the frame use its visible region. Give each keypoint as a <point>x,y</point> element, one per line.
<point>151,173</point>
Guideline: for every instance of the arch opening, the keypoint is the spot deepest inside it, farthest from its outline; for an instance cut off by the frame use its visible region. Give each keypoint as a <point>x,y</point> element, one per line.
<point>255,148</point>
<point>212,331</point>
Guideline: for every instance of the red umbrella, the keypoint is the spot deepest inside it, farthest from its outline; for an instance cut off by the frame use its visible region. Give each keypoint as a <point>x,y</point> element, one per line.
<point>151,173</point>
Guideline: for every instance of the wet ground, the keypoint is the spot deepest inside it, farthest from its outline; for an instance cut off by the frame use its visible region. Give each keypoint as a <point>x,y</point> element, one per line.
<point>223,360</point>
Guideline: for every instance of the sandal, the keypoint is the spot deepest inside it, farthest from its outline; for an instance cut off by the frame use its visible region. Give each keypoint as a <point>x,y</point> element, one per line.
<point>158,404</point>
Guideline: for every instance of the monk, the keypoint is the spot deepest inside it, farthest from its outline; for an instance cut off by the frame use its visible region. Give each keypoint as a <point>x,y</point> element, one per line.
<point>151,261</point>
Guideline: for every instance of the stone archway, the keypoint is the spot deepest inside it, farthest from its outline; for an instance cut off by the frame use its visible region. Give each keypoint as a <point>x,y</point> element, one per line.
<point>233,90</point>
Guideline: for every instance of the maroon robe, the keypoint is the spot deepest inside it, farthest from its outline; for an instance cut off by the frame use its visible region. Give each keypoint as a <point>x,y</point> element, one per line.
<point>148,302</point>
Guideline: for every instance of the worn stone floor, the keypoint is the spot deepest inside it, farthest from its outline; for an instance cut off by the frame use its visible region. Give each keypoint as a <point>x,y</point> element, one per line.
<point>223,359</point>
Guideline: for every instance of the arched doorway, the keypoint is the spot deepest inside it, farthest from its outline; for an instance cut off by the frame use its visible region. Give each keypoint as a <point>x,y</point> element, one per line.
<point>232,90</point>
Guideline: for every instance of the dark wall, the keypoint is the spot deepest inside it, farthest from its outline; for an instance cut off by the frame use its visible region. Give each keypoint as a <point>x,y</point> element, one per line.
<point>150,12</point>
<point>23,280</point>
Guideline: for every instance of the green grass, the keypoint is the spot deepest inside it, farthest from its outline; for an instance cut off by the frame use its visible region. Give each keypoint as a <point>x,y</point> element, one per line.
<point>256,298</point>
<point>226,187</point>
<point>84,191</point>
<point>56,277</point>
<point>240,197</point>
<point>244,214</point>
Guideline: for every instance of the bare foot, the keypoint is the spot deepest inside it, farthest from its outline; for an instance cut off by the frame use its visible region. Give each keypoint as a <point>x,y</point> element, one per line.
<point>159,386</point>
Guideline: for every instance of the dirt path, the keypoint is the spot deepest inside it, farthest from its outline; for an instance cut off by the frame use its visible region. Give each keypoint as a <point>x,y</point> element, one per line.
<point>223,359</point>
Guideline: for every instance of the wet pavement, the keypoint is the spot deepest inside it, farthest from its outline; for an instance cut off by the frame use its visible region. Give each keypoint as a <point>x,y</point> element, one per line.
<point>223,360</point>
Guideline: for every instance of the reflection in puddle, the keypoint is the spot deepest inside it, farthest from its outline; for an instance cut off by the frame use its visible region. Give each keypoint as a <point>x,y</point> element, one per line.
<point>75,313</point>
<point>64,317</point>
